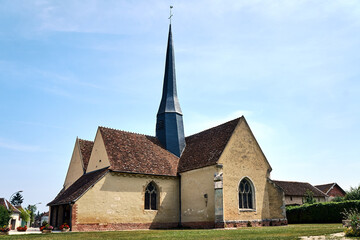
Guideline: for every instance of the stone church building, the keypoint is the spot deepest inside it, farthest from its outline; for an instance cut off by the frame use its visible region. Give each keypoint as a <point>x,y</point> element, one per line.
<point>216,178</point>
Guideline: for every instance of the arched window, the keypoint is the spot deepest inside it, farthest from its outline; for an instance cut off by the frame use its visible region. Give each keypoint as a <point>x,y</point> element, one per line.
<point>151,197</point>
<point>246,194</point>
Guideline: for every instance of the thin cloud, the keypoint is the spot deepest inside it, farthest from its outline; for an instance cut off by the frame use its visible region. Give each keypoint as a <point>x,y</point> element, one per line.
<point>10,145</point>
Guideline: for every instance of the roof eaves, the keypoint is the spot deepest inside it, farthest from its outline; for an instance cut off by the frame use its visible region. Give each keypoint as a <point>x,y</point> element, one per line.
<point>138,173</point>
<point>101,176</point>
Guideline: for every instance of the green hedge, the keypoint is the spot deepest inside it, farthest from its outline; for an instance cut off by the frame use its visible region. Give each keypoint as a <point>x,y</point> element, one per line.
<point>327,212</point>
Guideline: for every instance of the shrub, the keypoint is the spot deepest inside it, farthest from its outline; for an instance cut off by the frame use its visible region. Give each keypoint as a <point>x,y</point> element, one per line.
<point>4,216</point>
<point>328,212</point>
<point>4,228</point>
<point>354,229</point>
<point>353,194</point>
<point>309,197</point>
<point>338,199</point>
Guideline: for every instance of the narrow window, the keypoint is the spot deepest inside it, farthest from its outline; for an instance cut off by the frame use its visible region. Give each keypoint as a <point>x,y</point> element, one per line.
<point>246,195</point>
<point>151,197</point>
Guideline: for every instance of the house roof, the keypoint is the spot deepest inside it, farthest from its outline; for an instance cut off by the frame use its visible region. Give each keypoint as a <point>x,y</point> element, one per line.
<point>20,208</point>
<point>137,153</point>
<point>8,205</point>
<point>78,188</point>
<point>85,149</point>
<point>298,188</point>
<point>327,187</point>
<point>205,148</point>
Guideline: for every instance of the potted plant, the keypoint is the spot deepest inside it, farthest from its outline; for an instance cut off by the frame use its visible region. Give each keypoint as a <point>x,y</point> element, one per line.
<point>65,227</point>
<point>4,230</point>
<point>46,228</point>
<point>22,229</point>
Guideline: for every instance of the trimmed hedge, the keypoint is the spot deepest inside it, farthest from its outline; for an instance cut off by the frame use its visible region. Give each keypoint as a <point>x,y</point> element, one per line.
<point>327,212</point>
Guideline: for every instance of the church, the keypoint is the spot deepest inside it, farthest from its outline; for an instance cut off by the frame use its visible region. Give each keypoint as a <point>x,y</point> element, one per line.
<point>216,178</point>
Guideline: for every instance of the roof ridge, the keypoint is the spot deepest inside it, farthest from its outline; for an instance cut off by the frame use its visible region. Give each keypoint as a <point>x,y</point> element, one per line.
<point>126,131</point>
<point>85,140</point>
<point>291,181</point>
<point>216,126</point>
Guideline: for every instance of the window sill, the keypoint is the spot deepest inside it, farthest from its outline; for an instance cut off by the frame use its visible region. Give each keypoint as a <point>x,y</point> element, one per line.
<point>151,210</point>
<point>247,210</point>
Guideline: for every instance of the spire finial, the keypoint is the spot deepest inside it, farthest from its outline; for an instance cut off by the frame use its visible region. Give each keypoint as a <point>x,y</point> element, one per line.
<point>170,14</point>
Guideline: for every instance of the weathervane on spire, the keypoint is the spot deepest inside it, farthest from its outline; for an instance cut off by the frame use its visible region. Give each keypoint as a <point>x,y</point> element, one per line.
<point>170,13</point>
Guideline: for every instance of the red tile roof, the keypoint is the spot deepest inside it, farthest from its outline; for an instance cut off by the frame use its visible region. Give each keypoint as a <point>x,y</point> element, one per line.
<point>298,188</point>
<point>327,187</point>
<point>137,153</point>
<point>78,188</point>
<point>85,149</point>
<point>205,148</point>
<point>8,205</point>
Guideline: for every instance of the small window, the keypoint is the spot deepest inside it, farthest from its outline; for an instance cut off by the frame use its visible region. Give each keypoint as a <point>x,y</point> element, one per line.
<point>290,198</point>
<point>246,195</point>
<point>151,197</point>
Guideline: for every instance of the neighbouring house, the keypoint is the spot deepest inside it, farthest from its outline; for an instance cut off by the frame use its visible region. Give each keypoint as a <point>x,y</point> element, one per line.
<point>218,177</point>
<point>23,223</point>
<point>44,217</point>
<point>15,220</point>
<point>295,192</point>
<point>332,190</point>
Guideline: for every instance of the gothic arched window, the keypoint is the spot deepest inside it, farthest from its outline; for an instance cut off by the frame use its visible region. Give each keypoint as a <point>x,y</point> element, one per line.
<point>246,194</point>
<point>151,196</point>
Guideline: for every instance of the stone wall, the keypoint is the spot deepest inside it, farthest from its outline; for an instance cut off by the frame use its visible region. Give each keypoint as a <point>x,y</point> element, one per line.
<point>243,158</point>
<point>75,170</point>
<point>116,202</point>
<point>197,197</point>
<point>98,158</point>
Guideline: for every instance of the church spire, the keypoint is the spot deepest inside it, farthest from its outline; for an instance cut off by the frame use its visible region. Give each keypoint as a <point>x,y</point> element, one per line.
<point>169,122</point>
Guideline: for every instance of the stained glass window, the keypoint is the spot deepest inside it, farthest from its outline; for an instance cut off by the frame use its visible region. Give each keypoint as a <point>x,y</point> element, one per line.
<point>245,194</point>
<point>151,197</point>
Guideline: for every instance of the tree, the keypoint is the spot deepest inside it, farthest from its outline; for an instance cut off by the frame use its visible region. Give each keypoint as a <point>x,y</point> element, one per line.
<point>4,216</point>
<point>25,216</point>
<point>17,199</point>
<point>31,210</point>
<point>309,197</point>
<point>353,194</point>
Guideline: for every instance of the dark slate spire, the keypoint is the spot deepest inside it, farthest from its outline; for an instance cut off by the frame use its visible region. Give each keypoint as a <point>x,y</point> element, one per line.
<point>169,123</point>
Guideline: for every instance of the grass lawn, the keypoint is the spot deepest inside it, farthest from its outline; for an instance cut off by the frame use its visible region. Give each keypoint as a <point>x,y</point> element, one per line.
<point>283,232</point>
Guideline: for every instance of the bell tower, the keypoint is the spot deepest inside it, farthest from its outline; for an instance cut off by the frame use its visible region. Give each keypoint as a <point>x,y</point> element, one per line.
<point>169,121</point>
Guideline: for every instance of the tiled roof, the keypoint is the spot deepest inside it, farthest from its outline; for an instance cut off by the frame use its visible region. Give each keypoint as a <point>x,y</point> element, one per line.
<point>325,187</point>
<point>85,148</point>
<point>298,188</point>
<point>79,187</point>
<point>204,148</point>
<point>8,205</point>
<point>137,153</point>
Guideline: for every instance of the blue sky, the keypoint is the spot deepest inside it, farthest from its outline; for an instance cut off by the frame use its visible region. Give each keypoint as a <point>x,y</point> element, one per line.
<point>290,67</point>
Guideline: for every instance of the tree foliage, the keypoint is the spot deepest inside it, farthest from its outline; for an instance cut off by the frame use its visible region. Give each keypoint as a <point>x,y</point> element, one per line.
<point>17,199</point>
<point>25,215</point>
<point>353,194</point>
<point>31,209</point>
<point>309,197</point>
<point>4,216</point>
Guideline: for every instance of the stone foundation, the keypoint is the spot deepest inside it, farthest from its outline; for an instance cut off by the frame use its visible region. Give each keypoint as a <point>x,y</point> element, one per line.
<point>198,225</point>
<point>256,223</point>
<point>121,226</point>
